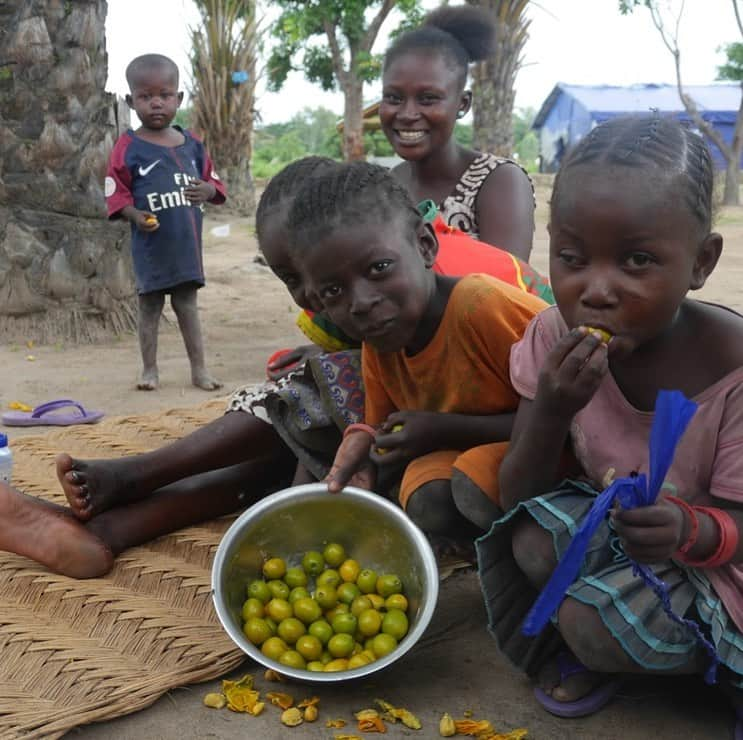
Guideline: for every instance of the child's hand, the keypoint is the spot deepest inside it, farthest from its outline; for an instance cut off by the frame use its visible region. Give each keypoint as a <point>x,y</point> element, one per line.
<point>572,373</point>
<point>199,191</point>
<point>651,534</point>
<point>146,221</point>
<point>351,466</point>
<point>406,435</point>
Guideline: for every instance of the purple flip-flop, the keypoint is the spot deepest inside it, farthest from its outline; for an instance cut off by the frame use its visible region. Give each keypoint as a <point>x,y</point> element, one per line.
<point>45,415</point>
<point>739,723</point>
<point>588,704</point>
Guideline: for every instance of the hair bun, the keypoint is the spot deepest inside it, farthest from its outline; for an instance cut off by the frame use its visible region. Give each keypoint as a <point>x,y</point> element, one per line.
<point>474,28</point>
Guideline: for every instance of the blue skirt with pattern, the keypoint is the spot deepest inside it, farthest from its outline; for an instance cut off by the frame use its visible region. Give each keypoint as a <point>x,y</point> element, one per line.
<point>630,611</point>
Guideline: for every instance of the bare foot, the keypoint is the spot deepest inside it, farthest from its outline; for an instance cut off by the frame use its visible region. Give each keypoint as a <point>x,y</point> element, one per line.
<point>93,486</point>
<point>149,380</point>
<point>568,685</point>
<point>50,535</point>
<point>202,379</point>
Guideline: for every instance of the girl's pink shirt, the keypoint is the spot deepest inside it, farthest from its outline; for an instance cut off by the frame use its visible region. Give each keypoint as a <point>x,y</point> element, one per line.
<point>610,440</point>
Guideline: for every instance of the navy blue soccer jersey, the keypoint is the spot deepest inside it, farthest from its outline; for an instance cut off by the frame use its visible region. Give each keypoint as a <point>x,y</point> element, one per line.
<point>153,178</point>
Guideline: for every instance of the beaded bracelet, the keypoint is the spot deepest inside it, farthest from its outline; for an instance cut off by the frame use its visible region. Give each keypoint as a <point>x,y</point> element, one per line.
<point>729,537</point>
<point>358,427</point>
<point>691,540</point>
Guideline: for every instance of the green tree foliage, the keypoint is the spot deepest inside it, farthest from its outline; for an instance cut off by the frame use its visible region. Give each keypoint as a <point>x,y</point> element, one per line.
<point>733,67</point>
<point>314,131</point>
<point>331,42</point>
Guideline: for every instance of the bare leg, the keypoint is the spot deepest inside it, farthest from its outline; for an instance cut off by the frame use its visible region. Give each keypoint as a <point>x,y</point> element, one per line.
<point>189,502</point>
<point>50,535</point>
<point>579,624</point>
<point>433,509</point>
<point>183,300</point>
<point>92,486</point>
<point>150,310</point>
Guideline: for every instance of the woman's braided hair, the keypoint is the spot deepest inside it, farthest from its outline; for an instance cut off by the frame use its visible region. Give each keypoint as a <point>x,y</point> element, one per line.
<point>461,34</point>
<point>286,183</point>
<point>659,142</point>
<point>350,194</point>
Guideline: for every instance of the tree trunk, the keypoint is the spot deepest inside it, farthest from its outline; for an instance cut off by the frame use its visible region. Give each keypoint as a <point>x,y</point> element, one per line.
<point>65,272</point>
<point>492,114</point>
<point>353,124</point>
<point>730,195</point>
<point>493,80</point>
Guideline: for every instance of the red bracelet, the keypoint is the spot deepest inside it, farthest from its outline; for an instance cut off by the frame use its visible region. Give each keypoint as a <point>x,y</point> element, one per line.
<point>359,428</point>
<point>691,540</point>
<point>729,537</point>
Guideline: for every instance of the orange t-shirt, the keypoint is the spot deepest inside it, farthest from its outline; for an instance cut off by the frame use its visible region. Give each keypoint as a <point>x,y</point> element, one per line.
<point>464,369</point>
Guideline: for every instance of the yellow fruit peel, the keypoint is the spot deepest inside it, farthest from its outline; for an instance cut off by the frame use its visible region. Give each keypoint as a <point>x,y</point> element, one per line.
<point>18,406</point>
<point>311,702</point>
<point>292,717</point>
<point>335,724</point>
<point>384,450</point>
<point>240,695</point>
<point>274,676</point>
<point>310,713</point>
<point>447,727</point>
<point>392,714</point>
<point>284,701</point>
<point>215,701</point>
<point>605,336</point>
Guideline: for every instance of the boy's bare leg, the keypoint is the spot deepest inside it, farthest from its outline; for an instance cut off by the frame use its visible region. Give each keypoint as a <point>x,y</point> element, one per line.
<point>50,535</point>
<point>189,502</point>
<point>92,486</point>
<point>183,300</point>
<point>150,310</point>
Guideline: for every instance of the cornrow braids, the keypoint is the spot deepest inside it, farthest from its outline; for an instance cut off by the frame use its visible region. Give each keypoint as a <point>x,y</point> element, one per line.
<point>353,193</point>
<point>659,142</point>
<point>461,34</point>
<point>285,184</point>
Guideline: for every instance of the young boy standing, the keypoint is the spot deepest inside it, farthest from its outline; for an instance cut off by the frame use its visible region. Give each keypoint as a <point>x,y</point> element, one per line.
<point>158,178</point>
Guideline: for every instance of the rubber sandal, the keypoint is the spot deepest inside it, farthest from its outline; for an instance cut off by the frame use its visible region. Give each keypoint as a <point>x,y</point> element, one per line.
<point>739,723</point>
<point>588,704</point>
<point>44,415</point>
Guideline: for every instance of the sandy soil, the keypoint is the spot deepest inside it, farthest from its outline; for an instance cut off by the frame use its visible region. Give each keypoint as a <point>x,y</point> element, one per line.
<point>246,315</point>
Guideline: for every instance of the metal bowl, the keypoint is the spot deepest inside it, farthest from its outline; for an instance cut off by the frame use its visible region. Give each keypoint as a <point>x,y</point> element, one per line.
<point>375,532</point>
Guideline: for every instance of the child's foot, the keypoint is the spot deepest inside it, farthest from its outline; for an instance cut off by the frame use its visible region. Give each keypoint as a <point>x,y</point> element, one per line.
<point>568,689</point>
<point>92,487</point>
<point>50,535</point>
<point>202,379</point>
<point>148,381</point>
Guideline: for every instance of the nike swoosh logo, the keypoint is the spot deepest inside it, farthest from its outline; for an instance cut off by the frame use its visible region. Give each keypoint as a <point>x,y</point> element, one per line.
<point>144,170</point>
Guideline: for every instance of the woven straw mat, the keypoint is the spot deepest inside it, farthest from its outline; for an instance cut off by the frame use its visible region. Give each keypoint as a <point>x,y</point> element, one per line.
<point>74,652</point>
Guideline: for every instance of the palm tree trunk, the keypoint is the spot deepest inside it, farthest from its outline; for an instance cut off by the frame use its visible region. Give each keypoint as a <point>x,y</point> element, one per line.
<point>494,80</point>
<point>65,272</point>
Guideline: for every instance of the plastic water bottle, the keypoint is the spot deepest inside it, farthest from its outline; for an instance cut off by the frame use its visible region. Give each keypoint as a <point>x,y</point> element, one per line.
<point>6,460</point>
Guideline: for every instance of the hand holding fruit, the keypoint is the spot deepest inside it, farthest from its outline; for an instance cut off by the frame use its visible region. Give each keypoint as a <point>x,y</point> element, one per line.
<point>406,435</point>
<point>572,373</point>
<point>146,221</point>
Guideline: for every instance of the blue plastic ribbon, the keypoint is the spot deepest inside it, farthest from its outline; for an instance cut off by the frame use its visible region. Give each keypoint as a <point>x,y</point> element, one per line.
<point>673,412</point>
<point>239,77</point>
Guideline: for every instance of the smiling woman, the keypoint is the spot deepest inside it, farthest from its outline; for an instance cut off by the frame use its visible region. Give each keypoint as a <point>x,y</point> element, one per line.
<point>423,95</point>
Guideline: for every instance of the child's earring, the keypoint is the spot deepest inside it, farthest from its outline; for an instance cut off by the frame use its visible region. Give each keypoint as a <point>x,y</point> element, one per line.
<point>460,114</point>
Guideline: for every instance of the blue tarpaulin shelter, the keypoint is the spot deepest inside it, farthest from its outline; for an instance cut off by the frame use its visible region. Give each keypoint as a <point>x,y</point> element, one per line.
<point>571,111</point>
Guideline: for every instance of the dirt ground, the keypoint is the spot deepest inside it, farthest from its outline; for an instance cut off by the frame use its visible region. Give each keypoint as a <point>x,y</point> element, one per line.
<point>246,315</point>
